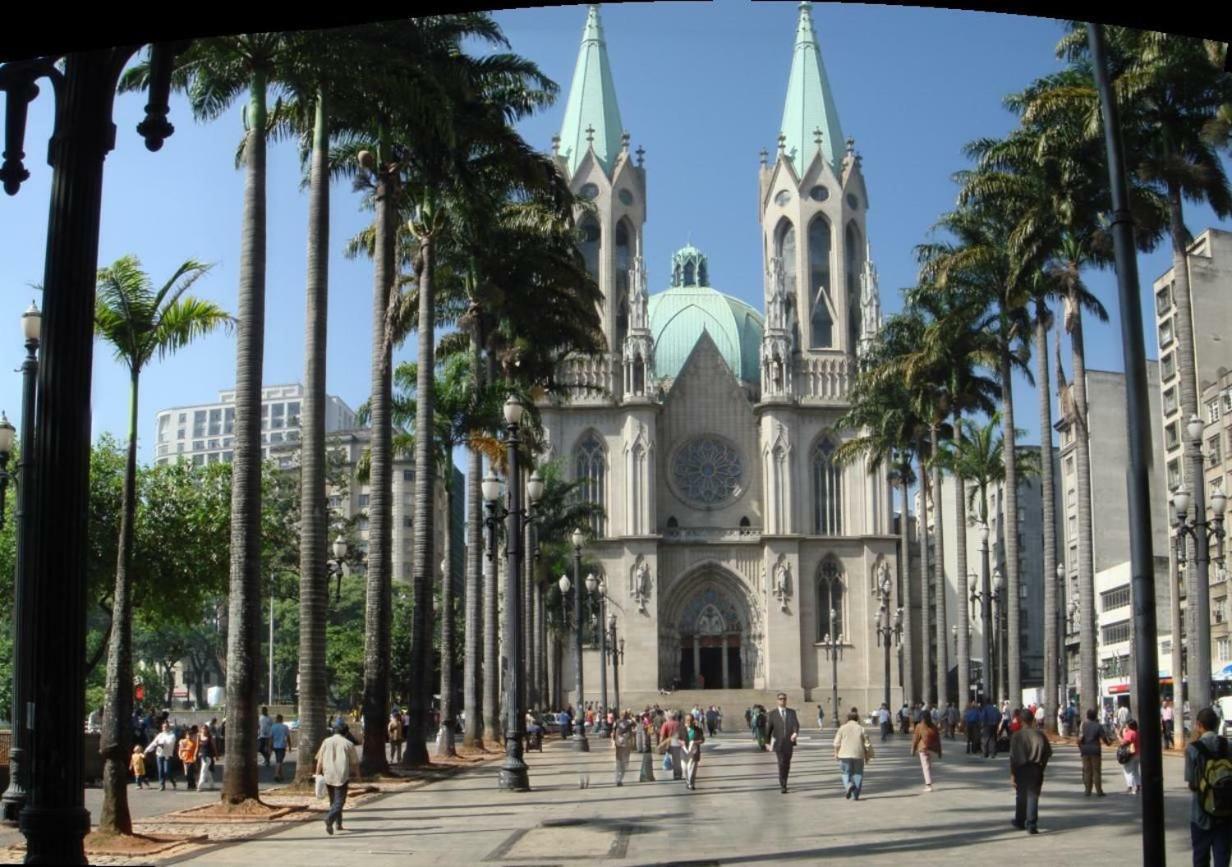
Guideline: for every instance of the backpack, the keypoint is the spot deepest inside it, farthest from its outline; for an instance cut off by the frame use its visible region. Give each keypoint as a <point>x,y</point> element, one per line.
<point>1215,780</point>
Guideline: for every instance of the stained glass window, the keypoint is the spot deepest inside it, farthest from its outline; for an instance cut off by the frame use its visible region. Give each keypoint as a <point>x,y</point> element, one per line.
<point>827,490</point>
<point>591,472</point>
<point>707,471</point>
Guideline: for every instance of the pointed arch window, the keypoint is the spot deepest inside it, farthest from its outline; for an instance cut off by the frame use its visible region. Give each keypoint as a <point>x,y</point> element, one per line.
<point>590,462</point>
<point>590,234</point>
<point>821,322</point>
<point>827,490</point>
<point>624,259</point>
<point>831,597</point>
<point>854,269</point>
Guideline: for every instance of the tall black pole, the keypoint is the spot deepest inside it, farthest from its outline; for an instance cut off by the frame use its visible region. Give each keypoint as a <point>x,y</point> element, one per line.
<point>513,773</point>
<point>19,769</point>
<point>987,633</point>
<point>834,658</point>
<point>602,724</point>
<point>579,714</point>
<point>1142,563</point>
<point>615,669</point>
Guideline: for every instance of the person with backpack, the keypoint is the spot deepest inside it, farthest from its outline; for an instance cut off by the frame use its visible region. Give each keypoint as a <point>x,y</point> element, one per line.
<point>1208,771</point>
<point>1127,755</point>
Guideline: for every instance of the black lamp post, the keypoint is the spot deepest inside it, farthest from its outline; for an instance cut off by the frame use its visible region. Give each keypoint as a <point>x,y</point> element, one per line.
<point>335,567</point>
<point>618,649</point>
<point>981,603</point>
<point>579,715</point>
<point>530,589</point>
<point>596,588</point>
<point>1002,676</point>
<point>513,772</point>
<point>887,632</point>
<point>19,769</point>
<point>1202,531</point>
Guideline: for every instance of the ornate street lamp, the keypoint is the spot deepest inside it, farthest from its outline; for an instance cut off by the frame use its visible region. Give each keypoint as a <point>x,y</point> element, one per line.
<point>596,588</point>
<point>1201,530</point>
<point>16,795</point>
<point>887,632</point>
<point>1001,675</point>
<point>336,567</point>
<point>513,772</point>
<point>983,599</point>
<point>618,649</point>
<point>579,716</point>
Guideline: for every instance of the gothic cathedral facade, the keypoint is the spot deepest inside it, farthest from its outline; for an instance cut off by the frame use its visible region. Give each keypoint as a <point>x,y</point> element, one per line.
<point>736,551</point>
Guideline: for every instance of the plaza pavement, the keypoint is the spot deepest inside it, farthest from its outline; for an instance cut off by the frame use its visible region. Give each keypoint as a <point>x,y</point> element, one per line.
<point>736,816</point>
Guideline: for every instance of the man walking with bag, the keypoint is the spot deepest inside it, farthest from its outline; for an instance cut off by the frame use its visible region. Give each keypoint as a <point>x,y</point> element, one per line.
<point>338,763</point>
<point>1029,755</point>
<point>783,727</point>
<point>1208,771</point>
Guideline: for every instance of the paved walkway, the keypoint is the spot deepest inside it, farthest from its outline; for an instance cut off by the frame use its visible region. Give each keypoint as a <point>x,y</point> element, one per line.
<point>736,815</point>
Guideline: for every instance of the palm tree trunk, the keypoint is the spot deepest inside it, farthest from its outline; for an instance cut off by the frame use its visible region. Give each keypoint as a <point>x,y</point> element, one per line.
<point>1013,654</point>
<point>1196,593</point>
<point>939,569</point>
<point>313,543</point>
<point>116,742</point>
<point>446,747</point>
<point>378,602</point>
<point>925,617</point>
<point>904,590</point>
<point>1088,656</point>
<point>963,648</point>
<point>421,567</point>
<point>244,617</point>
<point>472,674</point>
<point>1052,651</point>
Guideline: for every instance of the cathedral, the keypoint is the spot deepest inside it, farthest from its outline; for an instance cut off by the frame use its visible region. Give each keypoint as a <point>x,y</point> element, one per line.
<point>736,552</point>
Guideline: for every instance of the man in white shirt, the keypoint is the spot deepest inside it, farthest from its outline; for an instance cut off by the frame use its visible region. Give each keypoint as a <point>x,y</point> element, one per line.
<point>883,719</point>
<point>338,763</point>
<point>163,747</point>
<point>265,726</point>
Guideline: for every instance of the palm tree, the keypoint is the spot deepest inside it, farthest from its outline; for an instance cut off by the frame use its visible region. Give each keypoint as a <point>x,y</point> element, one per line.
<point>1173,96</point>
<point>214,72</point>
<point>140,322</point>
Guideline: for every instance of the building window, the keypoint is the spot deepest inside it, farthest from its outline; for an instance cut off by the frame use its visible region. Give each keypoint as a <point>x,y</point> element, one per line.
<point>1110,599</point>
<point>228,421</point>
<point>830,595</point>
<point>199,423</point>
<point>1167,366</point>
<point>591,470</point>
<point>278,416</point>
<point>1174,474</point>
<point>198,460</point>
<point>1165,333</point>
<point>215,422</point>
<point>1163,301</point>
<point>1212,411</point>
<point>198,445</point>
<point>1170,403</point>
<point>1171,437</point>
<point>588,229</point>
<point>821,320</point>
<point>827,490</point>
<point>1212,451</point>
<point>212,458</point>
<point>1223,649</point>
<point>293,414</point>
<point>1115,633</point>
<point>363,500</point>
<point>361,523</point>
<point>226,457</point>
<point>408,475</point>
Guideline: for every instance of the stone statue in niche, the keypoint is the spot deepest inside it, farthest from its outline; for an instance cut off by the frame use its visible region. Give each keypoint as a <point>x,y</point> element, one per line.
<point>883,574</point>
<point>782,582</point>
<point>641,584</point>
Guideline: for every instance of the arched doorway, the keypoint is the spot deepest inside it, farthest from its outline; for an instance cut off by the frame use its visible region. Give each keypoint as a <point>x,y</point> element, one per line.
<point>711,648</point>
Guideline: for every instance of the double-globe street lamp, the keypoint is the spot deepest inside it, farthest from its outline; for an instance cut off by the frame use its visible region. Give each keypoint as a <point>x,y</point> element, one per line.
<point>513,772</point>
<point>598,588</point>
<point>887,632</point>
<point>981,604</point>
<point>1201,530</point>
<point>579,715</point>
<point>17,794</point>
<point>617,649</point>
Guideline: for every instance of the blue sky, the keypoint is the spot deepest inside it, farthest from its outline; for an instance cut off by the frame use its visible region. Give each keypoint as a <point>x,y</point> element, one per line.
<point>700,87</point>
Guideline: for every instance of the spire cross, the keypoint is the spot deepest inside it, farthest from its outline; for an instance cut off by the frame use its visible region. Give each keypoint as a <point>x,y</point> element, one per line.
<point>624,142</point>
<point>817,136</point>
<point>764,156</point>
<point>782,142</point>
<point>590,135</point>
<point>555,144</point>
<point>641,154</point>
<point>851,146</point>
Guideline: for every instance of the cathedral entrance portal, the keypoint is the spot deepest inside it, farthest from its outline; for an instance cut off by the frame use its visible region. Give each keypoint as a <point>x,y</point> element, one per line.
<point>712,636</point>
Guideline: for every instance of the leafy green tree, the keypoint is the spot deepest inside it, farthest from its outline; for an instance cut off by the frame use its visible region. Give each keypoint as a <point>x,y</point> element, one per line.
<point>140,322</point>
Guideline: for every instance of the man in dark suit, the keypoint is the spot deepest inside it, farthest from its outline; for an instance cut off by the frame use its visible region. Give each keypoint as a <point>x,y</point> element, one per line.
<point>782,727</point>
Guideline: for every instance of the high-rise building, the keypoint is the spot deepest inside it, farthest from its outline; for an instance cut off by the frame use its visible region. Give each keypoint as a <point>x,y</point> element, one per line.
<point>1216,413</point>
<point>203,433</point>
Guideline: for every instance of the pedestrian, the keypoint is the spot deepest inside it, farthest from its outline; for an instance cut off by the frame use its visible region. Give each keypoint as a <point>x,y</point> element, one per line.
<point>904,714</point>
<point>851,749</point>
<point>1208,772</point>
<point>394,735</point>
<point>1029,755</point>
<point>1165,717</point>
<point>1016,721</point>
<point>951,720</point>
<point>1122,718</point>
<point>338,763</point>
<point>821,716</point>
<point>926,743</point>
<point>712,720</point>
<point>1130,767</point>
<point>264,724</point>
<point>163,747</point>
<point>222,737</point>
<point>280,739</point>
<point>137,763</point>
<point>1039,717</point>
<point>883,719</point>
<point>759,726</point>
<point>669,743</point>
<point>205,753</point>
<point>783,729</point>
<point>622,745</point>
<point>691,740</point>
<point>188,756</point>
<point>645,744</point>
<point>990,721</point>
<point>971,722</point>
<point>1091,742</point>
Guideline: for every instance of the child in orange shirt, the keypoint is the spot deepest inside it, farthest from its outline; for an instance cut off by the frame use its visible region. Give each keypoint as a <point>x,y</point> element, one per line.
<point>137,764</point>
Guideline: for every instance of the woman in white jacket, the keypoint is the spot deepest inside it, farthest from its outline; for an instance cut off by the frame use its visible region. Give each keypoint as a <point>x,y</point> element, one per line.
<point>163,747</point>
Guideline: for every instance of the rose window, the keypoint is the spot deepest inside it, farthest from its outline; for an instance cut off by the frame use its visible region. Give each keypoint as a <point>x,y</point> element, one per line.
<point>707,470</point>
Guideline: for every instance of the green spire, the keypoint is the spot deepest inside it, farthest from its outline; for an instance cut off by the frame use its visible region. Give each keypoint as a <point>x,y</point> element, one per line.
<point>591,114</point>
<point>810,104</point>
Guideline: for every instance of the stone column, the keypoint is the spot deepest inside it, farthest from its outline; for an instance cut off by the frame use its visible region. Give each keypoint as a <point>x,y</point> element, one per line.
<point>697,660</point>
<point>726,641</point>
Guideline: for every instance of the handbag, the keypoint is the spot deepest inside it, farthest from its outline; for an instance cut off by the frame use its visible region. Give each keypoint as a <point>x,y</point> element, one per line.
<point>319,784</point>
<point>1123,755</point>
<point>868,750</point>
<point>667,761</point>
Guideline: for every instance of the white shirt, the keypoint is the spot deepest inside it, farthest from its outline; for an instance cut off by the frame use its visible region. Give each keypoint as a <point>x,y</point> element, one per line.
<point>337,760</point>
<point>164,744</point>
<point>264,724</point>
<point>883,715</point>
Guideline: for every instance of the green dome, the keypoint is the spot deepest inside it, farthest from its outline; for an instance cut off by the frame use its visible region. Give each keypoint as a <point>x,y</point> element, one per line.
<point>679,316</point>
